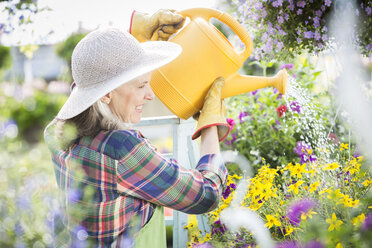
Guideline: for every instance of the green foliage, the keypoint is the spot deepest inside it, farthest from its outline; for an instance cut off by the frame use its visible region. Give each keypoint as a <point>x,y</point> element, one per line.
<point>5,60</point>
<point>262,131</point>
<point>27,195</point>
<point>262,134</point>
<point>65,48</point>
<point>31,114</point>
<point>5,57</point>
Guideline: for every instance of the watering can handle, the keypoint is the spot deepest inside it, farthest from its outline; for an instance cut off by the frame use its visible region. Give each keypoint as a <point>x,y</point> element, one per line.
<point>207,14</point>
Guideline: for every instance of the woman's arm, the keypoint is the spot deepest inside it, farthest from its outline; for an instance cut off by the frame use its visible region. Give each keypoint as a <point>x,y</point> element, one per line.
<point>209,141</point>
<point>144,173</point>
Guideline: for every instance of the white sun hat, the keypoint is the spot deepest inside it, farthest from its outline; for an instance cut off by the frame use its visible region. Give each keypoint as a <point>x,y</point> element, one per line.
<point>107,58</point>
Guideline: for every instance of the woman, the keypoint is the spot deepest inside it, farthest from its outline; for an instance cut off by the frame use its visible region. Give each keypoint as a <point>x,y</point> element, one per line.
<point>114,182</point>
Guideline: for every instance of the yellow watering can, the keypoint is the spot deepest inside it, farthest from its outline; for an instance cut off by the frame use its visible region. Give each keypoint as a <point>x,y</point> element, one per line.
<point>182,84</point>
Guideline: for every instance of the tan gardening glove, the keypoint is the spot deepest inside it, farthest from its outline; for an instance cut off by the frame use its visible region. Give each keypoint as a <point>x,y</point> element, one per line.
<point>161,25</point>
<point>213,112</point>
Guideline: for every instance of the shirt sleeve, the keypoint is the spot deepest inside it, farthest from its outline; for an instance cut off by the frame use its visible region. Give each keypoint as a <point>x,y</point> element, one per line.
<point>146,174</point>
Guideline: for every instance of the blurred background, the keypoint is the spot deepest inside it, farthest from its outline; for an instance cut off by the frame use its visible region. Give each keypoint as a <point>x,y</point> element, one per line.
<point>316,123</point>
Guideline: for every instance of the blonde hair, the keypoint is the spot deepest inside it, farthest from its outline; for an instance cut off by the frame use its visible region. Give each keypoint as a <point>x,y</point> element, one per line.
<point>96,118</point>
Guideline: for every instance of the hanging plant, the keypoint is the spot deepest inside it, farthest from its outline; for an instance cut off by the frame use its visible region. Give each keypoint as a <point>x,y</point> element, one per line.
<point>284,28</point>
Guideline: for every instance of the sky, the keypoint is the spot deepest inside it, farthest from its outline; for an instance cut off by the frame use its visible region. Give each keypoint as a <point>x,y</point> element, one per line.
<point>54,26</point>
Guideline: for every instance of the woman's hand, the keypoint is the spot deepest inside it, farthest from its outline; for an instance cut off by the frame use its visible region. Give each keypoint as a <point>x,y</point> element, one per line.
<point>213,112</point>
<point>164,22</point>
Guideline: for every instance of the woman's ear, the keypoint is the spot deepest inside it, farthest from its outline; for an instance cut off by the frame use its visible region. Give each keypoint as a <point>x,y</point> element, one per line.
<point>107,98</point>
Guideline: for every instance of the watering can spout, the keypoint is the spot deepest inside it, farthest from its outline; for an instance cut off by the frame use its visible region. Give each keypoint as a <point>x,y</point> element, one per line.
<point>238,84</point>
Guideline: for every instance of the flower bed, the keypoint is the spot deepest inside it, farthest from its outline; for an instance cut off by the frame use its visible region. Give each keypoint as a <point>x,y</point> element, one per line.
<point>311,203</point>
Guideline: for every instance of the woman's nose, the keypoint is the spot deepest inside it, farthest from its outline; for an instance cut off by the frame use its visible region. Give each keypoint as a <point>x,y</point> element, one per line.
<point>149,94</point>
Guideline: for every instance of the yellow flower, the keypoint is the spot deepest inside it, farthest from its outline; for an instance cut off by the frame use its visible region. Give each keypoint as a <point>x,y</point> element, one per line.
<point>324,191</point>
<point>359,219</point>
<point>288,230</point>
<point>309,214</point>
<point>281,203</point>
<point>332,166</point>
<point>367,182</point>
<point>344,146</point>
<point>294,187</point>
<point>314,186</point>
<point>334,223</point>
<point>354,203</point>
<point>311,172</point>
<point>339,245</point>
<point>236,176</point>
<point>353,167</point>
<point>271,220</point>
<point>336,196</point>
<point>309,151</point>
<point>288,167</point>
<point>297,170</point>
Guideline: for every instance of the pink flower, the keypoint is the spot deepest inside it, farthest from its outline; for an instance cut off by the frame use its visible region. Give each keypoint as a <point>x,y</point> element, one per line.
<point>231,122</point>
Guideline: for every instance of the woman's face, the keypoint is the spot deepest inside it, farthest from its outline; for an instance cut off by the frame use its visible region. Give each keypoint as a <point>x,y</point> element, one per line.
<point>127,100</point>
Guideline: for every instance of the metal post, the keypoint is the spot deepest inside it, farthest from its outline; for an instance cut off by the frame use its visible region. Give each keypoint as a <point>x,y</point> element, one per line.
<point>186,152</point>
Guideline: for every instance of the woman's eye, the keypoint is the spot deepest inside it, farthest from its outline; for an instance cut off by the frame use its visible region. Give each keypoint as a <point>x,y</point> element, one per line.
<point>142,86</point>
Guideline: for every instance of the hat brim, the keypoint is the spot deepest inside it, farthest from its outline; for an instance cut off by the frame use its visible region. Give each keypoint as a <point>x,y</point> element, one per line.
<point>156,54</point>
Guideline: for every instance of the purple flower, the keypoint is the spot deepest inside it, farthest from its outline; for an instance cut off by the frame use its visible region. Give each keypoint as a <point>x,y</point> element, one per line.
<point>301,4</point>
<point>301,148</point>
<point>203,245</point>
<point>317,35</point>
<point>279,46</point>
<point>318,13</point>
<point>314,244</point>
<point>291,6</point>
<point>323,8</point>
<point>356,152</point>
<point>367,225</point>
<point>74,194</point>
<point>305,158</point>
<point>296,209</point>
<point>24,201</point>
<point>280,19</point>
<point>277,3</point>
<point>230,142</point>
<point>286,66</point>
<point>368,10</point>
<point>328,2</point>
<point>254,92</point>
<point>299,40</point>
<point>218,227</point>
<point>288,244</point>
<point>324,37</point>
<point>242,115</point>
<point>227,192</point>
<point>232,185</point>
<point>308,34</point>
<point>299,11</point>
<point>295,106</point>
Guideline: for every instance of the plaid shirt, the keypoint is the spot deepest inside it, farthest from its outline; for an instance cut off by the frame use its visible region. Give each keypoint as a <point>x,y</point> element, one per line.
<point>112,182</point>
